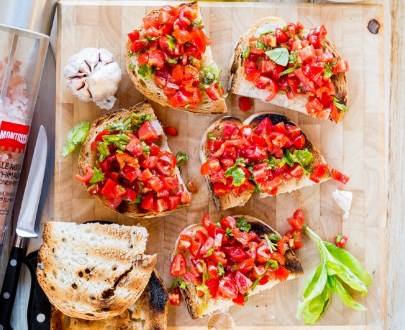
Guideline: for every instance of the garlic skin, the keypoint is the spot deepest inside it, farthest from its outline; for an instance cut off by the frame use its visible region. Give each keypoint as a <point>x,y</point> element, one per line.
<point>93,75</point>
<point>343,199</point>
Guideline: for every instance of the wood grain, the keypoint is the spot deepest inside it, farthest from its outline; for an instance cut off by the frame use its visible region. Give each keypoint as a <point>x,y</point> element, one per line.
<point>356,147</point>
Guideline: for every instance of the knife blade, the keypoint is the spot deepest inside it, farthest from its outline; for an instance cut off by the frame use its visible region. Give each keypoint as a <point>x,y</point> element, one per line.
<point>25,228</point>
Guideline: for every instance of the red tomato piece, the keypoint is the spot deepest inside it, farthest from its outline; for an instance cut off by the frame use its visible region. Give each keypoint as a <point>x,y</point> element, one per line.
<point>112,190</point>
<point>245,103</point>
<point>282,245</point>
<point>213,285</point>
<point>87,176</point>
<point>240,299</point>
<point>147,201</point>
<point>171,131</point>
<point>134,147</point>
<point>227,288</point>
<point>281,36</point>
<point>175,297</point>
<point>215,91</point>
<point>160,205</point>
<point>235,253</point>
<point>147,133</point>
<point>273,89</point>
<point>200,40</point>
<point>99,138</point>
<point>156,58</point>
<point>319,172</point>
<point>242,282</point>
<point>246,265</point>
<point>209,243</point>
<point>228,222</point>
<point>182,36</point>
<point>134,35</point>
<point>210,167</point>
<point>282,273</point>
<point>340,240</point>
<point>178,265</point>
<point>338,176</point>
<point>173,202</point>
<point>296,223</point>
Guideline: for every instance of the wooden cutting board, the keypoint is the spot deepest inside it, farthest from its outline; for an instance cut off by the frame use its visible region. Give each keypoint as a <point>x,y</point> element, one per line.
<point>356,147</point>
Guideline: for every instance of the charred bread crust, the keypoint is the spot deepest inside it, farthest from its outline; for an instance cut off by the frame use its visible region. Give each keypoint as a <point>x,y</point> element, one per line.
<point>88,157</point>
<point>298,103</point>
<point>154,93</point>
<point>198,307</point>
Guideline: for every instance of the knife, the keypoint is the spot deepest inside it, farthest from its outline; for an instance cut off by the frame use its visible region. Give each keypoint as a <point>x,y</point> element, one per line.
<point>25,228</point>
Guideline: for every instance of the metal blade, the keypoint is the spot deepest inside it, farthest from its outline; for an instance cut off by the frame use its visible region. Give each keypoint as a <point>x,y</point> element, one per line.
<point>32,192</point>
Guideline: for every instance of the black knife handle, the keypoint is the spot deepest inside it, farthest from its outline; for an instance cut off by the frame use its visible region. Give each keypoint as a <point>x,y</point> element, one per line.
<point>10,283</point>
<point>39,307</point>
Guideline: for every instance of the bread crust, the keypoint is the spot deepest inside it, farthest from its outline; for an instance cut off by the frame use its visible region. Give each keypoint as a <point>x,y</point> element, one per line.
<point>148,88</point>
<point>239,85</point>
<point>102,276</point>
<point>229,201</point>
<point>150,309</point>
<point>198,307</point>
<point>89,158</point>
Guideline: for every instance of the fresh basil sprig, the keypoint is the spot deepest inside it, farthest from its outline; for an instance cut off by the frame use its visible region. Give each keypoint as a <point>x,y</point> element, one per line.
<point>75,137</point>
<point>336,269</point>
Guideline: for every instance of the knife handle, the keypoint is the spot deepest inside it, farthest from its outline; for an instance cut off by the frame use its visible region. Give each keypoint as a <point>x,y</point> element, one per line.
<point>10,283</point>
<point>39,307</point>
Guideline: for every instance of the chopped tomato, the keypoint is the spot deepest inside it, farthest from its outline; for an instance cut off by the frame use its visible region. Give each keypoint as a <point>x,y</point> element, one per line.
<point>147,201</point>
<point>240,299</point>
<point>134,147</point>
<point>296,223</point>
<point>178,265</point>
<point>87,176</point>
<point>227,288</point>
<point>282,273</point>
<point>242,282</point>
<point>340,240</point>
<point>319,172</point>
<point>228,222</point>
<point>171,131</point>
<point>175,296</point>
<point>215,91</point>
<point>338,176</point>
<point>112,190</point>
<point>147,133</point>
<point>282,245</point>
<point>245,103</point>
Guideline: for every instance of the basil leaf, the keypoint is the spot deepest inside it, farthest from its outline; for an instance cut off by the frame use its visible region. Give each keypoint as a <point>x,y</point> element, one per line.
<point>221,270</point>
<point>75,137</point>
<point>335,267</point>
<point>350,262</point>
<point>328,71</point>
<point>272,162</point>
<point>138,119</point>
<point>338,105</point>
<point>209,74</point>
<point>181,156</point>
<point>146,71</point>
<point>246,52</point>
<point>119,140</point>
<point>98,176</point>
<point>236,173</point>
<point>289,70</point>
<point>303,157</point>
<point>338,288</point>
<point>279,55</point>
<point>145,149</point>
<point>243,224</point>
<point>171,60</point>
<point>171,42</point>
<point>103,150</point>
<point>228,232</point>
<point>316,307</point>
<point>211,137</point>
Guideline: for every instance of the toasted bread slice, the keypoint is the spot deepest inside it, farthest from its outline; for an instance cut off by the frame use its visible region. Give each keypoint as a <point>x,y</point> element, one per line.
<point>239,85</point>
<point>199,306</point>
<point>293,184</point>
<point>93,271</point>
<point>88,158</point>
<point>148,313</point>
<point>230,200</point>
<point>148,87</point>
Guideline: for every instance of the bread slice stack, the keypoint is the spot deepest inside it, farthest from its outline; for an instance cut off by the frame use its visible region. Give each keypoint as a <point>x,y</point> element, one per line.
<point>148,313</point>
<point>94,271</point>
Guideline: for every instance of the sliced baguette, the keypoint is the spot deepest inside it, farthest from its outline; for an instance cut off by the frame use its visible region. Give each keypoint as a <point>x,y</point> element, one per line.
<point>230,200</point>
<point>240,86</point>
<point>148,313</point>
<point>148,87</point>
<point>93,271</point>
<point>199,307</point>
<point>89,158</point>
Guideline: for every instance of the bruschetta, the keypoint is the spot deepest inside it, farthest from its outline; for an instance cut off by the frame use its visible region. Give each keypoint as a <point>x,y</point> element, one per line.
<point>127,164</point>
<point>287,65</point>
<point>169,60</point>
<point>218,265</point>
<point>266,153</point>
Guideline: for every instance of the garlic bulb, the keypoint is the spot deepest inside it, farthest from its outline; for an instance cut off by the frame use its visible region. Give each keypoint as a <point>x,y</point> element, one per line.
<point>344,200</point>
<point>93,75</point>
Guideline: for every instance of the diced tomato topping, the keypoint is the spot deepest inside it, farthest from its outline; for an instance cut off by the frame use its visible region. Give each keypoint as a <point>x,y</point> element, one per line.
<point>175,297</point>
<point>282,273</point>
<point>338,176</point>
<point>296,223</point>
<point>147,133</point>
<point>245,103</point>
<point>227,288</point>
<point>319,172</point>
<point>87,176</point>
<point>178,265</point>
<point>147,201</point>
<point>171,131</point>
<point>215,91</point>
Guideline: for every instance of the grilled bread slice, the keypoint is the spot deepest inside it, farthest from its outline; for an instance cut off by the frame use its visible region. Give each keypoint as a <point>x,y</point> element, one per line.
<point>230,200</point>
<point>148,87</point>
<point>239,85</point>
<point>93,271</point>
<point>148,313</point>
<point>201,306</point>
<point>88,158</point>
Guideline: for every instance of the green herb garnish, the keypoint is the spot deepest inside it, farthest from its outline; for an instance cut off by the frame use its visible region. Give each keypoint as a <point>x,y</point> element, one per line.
<point>211,137</point>
<point>98,176</point>
<point>220,268</point>
<point>146,71</point>
<point>181,156</point>
<point>236,173</point>
<point>243,224</point>
<point>279,55</point>
<point>246,52</point>
<point>75,137</point>
<point>339,105</point>
<point>337,269</point>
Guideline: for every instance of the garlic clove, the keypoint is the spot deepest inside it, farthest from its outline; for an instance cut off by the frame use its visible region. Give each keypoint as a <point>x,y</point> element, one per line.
<point>343,199</point>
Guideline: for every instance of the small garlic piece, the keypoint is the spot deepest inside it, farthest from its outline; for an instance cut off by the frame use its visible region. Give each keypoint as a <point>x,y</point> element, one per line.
<point>93,75</point>
<point>343,199</point>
